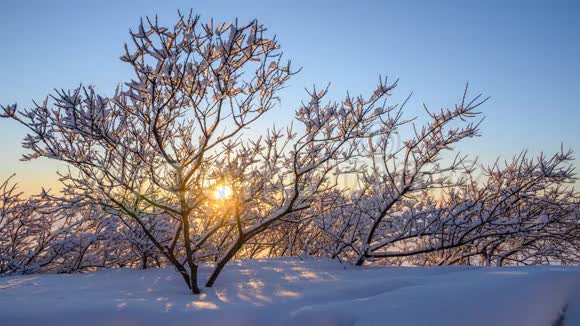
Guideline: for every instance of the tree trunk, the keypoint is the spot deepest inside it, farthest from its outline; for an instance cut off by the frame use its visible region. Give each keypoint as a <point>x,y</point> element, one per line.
<point>223,261</point>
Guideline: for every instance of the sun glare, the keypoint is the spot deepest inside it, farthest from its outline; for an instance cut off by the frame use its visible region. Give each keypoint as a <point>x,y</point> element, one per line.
<point>223,192</point>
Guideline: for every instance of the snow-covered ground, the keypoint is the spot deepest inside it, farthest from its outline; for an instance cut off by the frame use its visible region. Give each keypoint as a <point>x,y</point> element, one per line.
<point>295,292</point>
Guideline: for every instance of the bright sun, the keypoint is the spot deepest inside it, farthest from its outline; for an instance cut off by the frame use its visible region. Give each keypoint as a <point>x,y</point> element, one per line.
<point>223,192</point>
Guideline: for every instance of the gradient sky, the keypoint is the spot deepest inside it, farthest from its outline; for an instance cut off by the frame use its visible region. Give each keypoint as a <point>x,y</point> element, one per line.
<point>524,54</point>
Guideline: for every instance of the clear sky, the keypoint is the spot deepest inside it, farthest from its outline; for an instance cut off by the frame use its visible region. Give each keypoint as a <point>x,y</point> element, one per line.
<point>524,54</point>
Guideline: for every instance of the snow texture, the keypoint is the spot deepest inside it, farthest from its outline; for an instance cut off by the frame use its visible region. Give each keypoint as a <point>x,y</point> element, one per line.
<point>295,292</point>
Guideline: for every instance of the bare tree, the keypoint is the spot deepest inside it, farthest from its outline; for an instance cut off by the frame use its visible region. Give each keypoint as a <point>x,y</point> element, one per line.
<point>524,212</point>
<point>24,232</point>
<point>144,154</point>
<point>381,210</point>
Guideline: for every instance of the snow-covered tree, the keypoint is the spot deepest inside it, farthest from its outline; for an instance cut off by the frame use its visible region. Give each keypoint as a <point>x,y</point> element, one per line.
<point>25,233</point>
<point>145,153</point>
<point>44,233</point>
<point>381,210</point>
<point>157,149</point>
<point>524,211</point>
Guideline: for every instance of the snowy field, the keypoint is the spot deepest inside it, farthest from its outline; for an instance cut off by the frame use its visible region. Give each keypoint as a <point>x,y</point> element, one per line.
<point>295,292</point>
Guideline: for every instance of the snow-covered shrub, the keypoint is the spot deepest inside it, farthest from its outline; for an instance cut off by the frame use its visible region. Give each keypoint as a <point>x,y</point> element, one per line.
<point>25,233</point>
<point>44,233</point>
<point>524,212</point>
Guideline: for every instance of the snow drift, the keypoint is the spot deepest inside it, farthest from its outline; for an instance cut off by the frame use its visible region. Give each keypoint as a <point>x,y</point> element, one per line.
<point>296,292</point>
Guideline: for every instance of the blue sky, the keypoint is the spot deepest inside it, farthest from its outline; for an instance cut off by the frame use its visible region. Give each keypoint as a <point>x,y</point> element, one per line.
<point>524,54</point>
